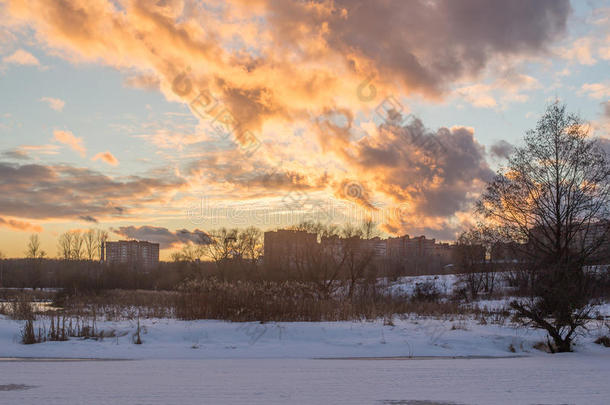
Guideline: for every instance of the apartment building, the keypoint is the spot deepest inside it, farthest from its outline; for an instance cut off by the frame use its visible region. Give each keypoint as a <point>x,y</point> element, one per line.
<point>135,254</point>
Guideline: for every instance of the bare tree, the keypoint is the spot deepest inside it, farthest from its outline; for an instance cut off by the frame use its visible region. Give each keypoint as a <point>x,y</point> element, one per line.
<point>221,247</point>
<point>77,245</point>
<point>369,229</point>
<point>357,259</point>
<point>320,229</point>
<point>249,248</point>
<point>477,272</point>
<point>351,231</point>
<point>33,267</point>
<point>91,247</point>
<point>342,255</point>
<point>190,252</point>
<point>33,250</point>
<point>64,245</point>
<point>358,254</point>
<point>321,264</point>
<point>553,199</point>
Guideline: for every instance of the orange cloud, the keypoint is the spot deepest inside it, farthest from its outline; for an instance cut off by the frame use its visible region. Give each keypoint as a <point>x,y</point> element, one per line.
<point>68,138</point>
<point>106,157</point>
<point>291,60</point>
<point>286,70</point>
<point>20,225</point>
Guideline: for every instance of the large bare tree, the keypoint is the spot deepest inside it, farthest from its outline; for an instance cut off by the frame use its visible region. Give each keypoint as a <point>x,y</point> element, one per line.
<point>552,198</point>
<point>70,245</point>
<point>358,254</point>
<point>320,264</point>
<point>221,247</point>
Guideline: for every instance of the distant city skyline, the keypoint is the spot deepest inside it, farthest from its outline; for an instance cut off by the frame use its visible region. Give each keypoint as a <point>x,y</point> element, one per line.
<point>162,120</point>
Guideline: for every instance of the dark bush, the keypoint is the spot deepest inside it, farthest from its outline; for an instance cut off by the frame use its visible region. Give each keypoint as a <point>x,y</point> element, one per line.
<point>603,340</point>
<point>426,291</point>
<point>28,336</point>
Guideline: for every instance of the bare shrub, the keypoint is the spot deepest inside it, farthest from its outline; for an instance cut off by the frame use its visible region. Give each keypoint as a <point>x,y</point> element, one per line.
<point>28,336</point>
<point>21,309</point>
<point>603,340</point>
<point>426,291</point>
<point>136,336</point>
<point>542,346</point>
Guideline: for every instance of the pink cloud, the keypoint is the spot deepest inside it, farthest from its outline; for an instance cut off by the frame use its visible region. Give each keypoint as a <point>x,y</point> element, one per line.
<point>68,138</point>
<point>106,157</point>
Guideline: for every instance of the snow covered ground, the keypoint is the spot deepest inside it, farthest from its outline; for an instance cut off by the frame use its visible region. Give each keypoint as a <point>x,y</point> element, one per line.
<point>559,379</point>
<point>445,283</point>
<point>208,339</point>
<point>217,362</point>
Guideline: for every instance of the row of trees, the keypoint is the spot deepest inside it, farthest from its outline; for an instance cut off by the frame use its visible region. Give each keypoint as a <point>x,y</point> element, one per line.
<point>77,245</point>
<point>224,244</point>
<point>71,245</point>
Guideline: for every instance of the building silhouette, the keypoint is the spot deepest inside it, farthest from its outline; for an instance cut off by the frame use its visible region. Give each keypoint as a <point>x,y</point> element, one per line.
<point>285,248</point>
<point>289,249</point>
<point>133,253</point>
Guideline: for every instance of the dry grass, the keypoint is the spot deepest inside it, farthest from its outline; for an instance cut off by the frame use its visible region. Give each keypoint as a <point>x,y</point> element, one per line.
<point>18,308</point>
<point>60,327</point>
<point>253,301</point>
<point>120,304</point>
<point>279,301</point>
<point>296,301</point>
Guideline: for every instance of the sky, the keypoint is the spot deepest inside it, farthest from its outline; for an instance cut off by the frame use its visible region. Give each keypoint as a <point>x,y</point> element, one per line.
<point>163,119</point>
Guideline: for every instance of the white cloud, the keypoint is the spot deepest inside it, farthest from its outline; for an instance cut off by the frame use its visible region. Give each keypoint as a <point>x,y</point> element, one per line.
<point>595,90</point>
<point>509,87</point>
<point>55,103</point>
<point>580,51</point>
<point>21,57</point>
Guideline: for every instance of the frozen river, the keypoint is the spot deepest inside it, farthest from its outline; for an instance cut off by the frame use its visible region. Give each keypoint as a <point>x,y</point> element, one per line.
<point>561,379</point>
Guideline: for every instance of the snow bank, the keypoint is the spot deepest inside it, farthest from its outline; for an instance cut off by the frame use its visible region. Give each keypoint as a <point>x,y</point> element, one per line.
<point>208,339</point>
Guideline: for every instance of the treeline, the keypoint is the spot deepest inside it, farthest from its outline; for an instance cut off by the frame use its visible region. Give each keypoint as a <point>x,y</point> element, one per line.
<point>71,245</point>
<point>224,254</point>
<point>231,255</point>
<point>82,276</point>
<point>77,245</point>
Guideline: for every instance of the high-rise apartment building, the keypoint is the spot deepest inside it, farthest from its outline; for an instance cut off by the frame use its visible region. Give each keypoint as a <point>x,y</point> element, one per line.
<point>136,254</point>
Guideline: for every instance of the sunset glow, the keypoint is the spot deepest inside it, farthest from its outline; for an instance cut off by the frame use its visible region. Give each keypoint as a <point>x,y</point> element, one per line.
<point>145,117</point>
